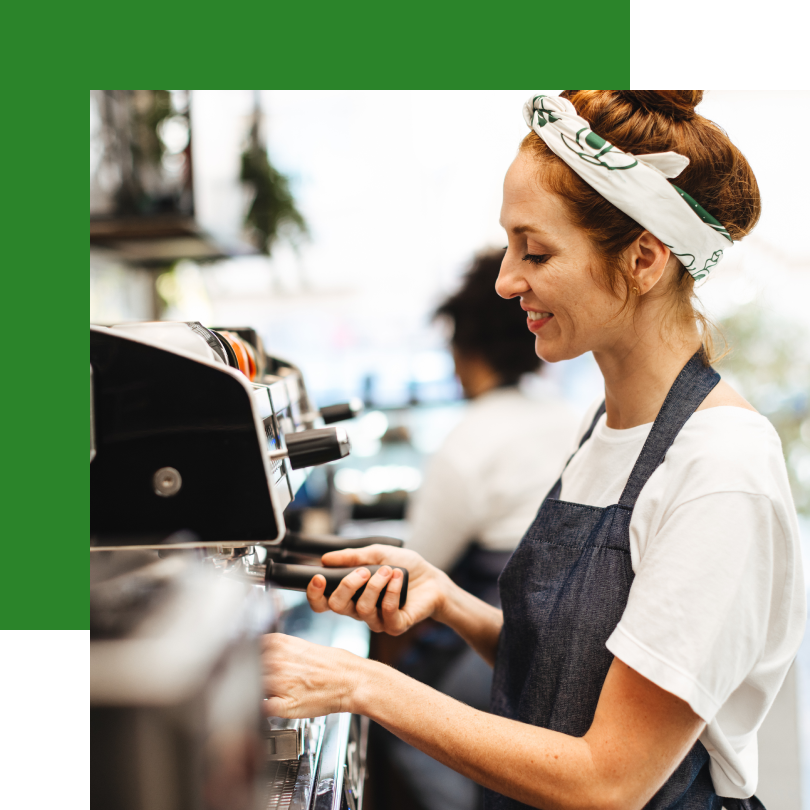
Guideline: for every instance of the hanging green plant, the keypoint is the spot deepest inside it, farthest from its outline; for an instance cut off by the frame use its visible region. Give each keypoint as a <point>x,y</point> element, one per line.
<point>272,213</point>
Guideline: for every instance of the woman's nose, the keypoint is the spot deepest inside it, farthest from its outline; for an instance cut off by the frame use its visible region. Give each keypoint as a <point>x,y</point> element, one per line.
<point>510,282</point>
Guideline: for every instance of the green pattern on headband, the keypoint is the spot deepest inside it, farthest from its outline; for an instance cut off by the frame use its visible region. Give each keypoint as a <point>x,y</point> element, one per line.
<point>688,260</point>
<point>600,147</point>
<point>594,141</point>
<point>703,213</point>
<point>544,116</point>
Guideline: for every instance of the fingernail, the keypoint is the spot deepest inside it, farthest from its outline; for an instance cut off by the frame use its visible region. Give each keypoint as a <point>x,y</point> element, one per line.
<point>397,574</point>
<point>364,572</point>
<point>384,571</point>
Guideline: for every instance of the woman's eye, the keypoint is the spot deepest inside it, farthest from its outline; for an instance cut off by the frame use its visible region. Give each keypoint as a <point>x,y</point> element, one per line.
<point>531,257</point>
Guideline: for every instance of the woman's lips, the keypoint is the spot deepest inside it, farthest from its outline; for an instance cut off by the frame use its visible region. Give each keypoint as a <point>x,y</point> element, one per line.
<point>537,320</point>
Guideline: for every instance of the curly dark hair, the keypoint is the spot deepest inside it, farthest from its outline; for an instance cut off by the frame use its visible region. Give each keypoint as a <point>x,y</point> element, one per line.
<point>486,325</point>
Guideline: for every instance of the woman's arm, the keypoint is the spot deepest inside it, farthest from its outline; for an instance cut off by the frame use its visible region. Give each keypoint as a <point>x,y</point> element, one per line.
<point>478,623</point>
<point>431,593</point>
<point>639,735</point>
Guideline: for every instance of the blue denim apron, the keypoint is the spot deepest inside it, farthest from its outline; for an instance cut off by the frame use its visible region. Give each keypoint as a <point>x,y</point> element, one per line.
<point>563,592</point>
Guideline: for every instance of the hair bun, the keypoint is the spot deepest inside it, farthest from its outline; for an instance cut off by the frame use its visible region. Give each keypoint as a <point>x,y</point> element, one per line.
<point>678,105</point>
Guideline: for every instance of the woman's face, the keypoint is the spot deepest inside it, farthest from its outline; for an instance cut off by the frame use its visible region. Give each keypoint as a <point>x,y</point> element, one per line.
<point>550,265</point>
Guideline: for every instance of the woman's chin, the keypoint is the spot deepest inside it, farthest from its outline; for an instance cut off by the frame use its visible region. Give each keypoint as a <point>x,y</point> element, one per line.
<point>553,351</point>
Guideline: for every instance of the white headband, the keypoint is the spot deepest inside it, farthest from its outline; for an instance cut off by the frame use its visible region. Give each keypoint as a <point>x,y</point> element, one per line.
<point>635,184</point>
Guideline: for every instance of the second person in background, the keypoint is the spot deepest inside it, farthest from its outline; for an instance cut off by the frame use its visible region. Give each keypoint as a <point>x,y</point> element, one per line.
<point>481,492</point>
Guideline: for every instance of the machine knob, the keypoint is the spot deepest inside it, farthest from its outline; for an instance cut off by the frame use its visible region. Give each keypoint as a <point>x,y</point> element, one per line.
<point>341,411</point>
<point>310,447</point>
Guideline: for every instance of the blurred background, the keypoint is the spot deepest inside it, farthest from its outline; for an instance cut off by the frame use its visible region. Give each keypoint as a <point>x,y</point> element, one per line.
<point>335,222</point>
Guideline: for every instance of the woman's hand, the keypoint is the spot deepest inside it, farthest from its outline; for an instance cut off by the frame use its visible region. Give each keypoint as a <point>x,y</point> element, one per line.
<point>427,588</point>
<point>302,679</point>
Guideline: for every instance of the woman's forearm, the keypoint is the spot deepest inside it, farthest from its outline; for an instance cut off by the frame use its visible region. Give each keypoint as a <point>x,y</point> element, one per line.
<point>534,765</point>
<point>478,623</point>
<point>638,736</point>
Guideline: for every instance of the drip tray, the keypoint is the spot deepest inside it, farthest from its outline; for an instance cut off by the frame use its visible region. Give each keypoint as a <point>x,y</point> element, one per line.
<point>281,778</point>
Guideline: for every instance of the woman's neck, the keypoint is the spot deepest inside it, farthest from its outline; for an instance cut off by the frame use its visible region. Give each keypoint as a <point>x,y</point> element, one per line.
<point>639,372</point>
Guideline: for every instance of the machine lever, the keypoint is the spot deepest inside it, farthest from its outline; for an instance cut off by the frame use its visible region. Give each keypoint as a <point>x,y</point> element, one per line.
<point>341,411</point>
<point>306,448</point>
<point>297,577</point>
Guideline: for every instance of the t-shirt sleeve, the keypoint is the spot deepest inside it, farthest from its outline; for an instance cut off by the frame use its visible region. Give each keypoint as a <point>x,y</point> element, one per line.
<point>444,516</point>
<point>706,593</point>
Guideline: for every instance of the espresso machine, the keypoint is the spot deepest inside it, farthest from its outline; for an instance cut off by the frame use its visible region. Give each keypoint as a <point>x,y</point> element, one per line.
<point>199,442</point>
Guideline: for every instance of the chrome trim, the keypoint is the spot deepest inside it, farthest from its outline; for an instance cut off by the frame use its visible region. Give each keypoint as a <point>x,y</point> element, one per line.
<point>329,789</point>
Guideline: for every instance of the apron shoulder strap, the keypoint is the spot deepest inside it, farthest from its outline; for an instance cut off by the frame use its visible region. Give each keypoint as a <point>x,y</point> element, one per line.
<point>690,388</point>
<point>557,488</point>
<point>587,435</point>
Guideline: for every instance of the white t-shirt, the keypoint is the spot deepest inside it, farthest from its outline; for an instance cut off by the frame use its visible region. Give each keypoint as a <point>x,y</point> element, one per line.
<point>490,476</point>
<point>717,608</point>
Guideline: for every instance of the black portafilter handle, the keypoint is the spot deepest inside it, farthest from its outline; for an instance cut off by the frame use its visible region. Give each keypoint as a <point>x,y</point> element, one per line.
<point>321,543</point>
<point>297,577</point>
<point>310,447</point>
<point>341,411</point>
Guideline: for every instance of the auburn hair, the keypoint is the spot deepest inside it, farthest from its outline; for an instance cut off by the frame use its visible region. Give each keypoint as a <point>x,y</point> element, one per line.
<point>643,122</point>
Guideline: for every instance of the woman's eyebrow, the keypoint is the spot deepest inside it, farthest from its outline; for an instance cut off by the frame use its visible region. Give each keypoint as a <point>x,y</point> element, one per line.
<point>518,229</point>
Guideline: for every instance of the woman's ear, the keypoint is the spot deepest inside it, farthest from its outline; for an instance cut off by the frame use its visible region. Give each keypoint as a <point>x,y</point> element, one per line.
<point>646,259</point>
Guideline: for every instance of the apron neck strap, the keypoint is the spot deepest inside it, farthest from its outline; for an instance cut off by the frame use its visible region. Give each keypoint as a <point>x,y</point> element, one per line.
<point>690,388</point>
<point>587,435</point>
<point>554,493</point>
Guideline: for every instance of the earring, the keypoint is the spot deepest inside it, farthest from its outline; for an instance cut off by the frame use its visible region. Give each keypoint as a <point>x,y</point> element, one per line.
<point>636,291</point>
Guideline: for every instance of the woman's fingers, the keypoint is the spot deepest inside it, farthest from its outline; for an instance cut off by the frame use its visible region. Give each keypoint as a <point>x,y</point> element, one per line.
<point>341,599</point>
<point>275,707</point>
<point>394,620</point>
<point>423,592</point>
<point>315,594</point>
<point>370,555</point>
<point>367,603</point>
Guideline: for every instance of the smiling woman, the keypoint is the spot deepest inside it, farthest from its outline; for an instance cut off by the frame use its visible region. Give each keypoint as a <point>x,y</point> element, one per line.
<point>655,604</point>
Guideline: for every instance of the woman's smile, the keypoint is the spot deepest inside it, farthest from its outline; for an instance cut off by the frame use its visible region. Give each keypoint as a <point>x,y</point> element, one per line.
<point>537,320</point>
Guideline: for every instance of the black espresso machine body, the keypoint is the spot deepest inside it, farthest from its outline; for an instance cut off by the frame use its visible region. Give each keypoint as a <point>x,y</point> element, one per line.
<point>183,444</point>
